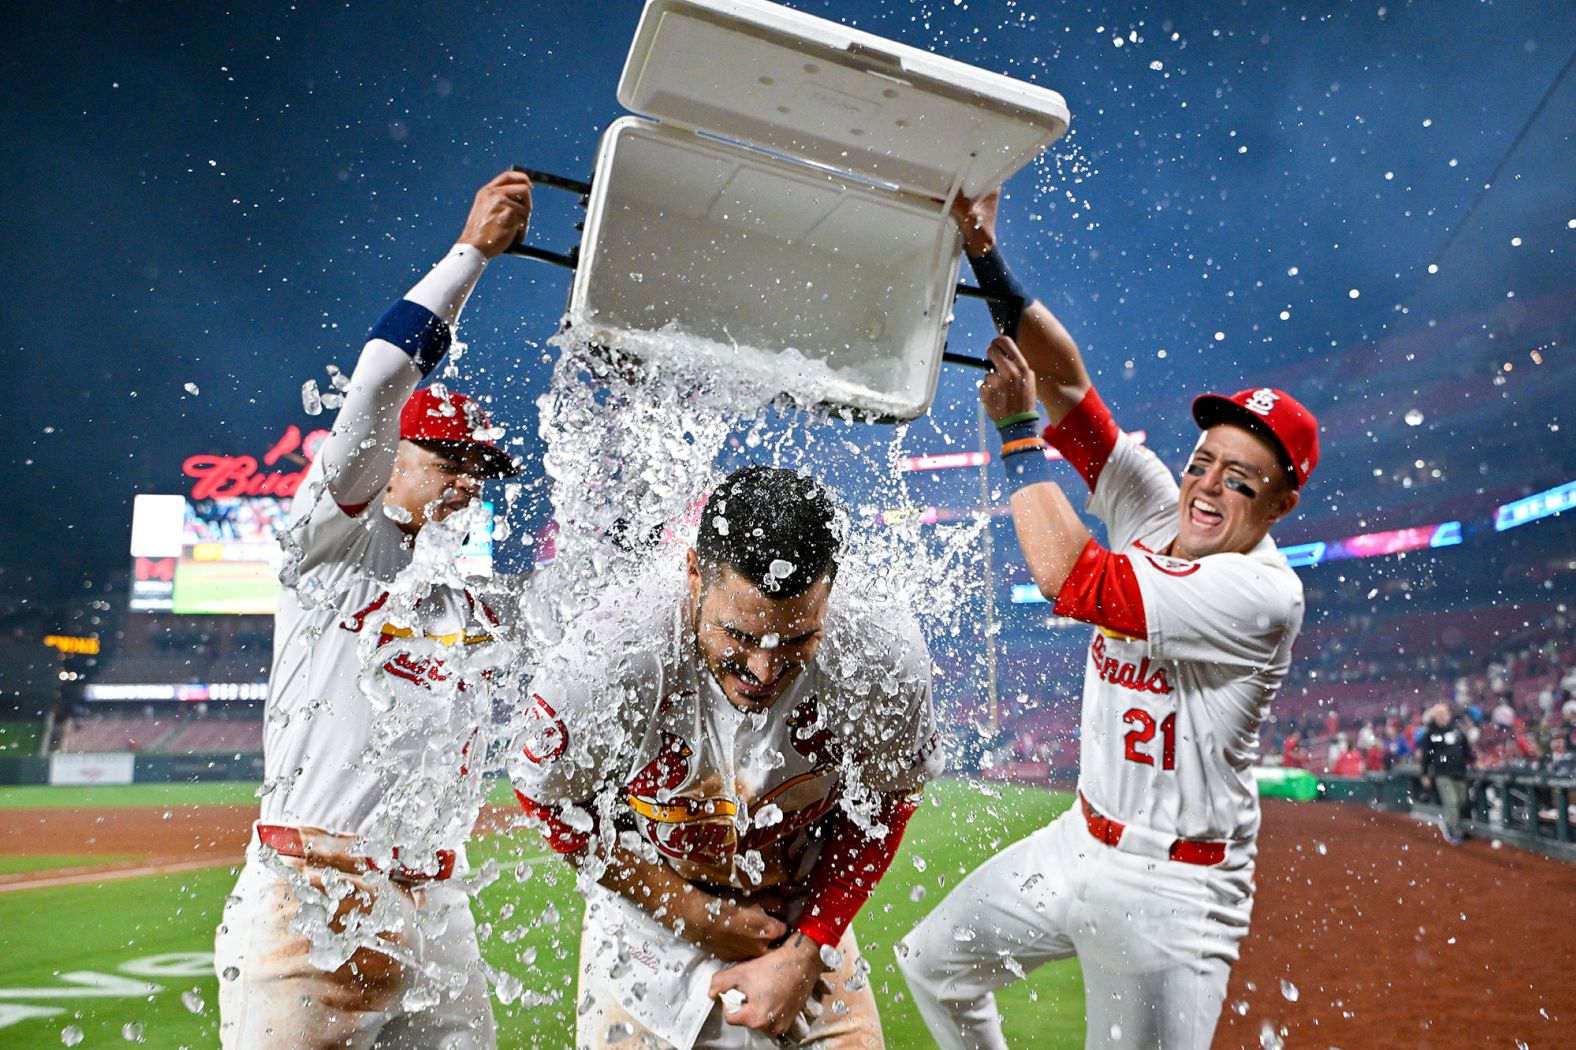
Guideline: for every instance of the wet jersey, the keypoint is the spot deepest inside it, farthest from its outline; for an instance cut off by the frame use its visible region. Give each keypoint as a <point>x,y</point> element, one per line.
<point>370,714</point>
<point>1170,719</point>
<point>626,719</point>
<point>628,728</point>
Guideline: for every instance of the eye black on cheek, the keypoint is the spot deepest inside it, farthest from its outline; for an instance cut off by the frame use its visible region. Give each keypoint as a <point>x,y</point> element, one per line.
<point>1237,485</point>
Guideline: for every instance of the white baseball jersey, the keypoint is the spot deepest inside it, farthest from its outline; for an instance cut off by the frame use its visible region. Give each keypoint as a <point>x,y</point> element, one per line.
<point>327,764</point>
<point>626,721</point>
<point>1170,723</point>
<point>366,719</point>
<point>384,665</point>
<point>1169,733</point>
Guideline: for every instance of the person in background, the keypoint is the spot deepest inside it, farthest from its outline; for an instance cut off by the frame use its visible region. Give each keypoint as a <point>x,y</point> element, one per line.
<point>1445,756</point>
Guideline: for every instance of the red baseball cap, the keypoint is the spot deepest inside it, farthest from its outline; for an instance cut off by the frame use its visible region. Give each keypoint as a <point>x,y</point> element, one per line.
<point>1273,414</point>
<point>454,419</point>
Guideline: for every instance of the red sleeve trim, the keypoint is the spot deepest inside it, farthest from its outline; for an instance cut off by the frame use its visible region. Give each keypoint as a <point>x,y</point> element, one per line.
<point>849,868</point>
<point>1103,590</point>
<point>1086,436</point>
<point>561,838</point>
<point>353,509</point>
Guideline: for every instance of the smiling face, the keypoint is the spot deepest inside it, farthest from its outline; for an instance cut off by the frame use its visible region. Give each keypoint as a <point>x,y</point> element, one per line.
<point>1233,489</point>
<point>754,645</point>
<point>432,481</point>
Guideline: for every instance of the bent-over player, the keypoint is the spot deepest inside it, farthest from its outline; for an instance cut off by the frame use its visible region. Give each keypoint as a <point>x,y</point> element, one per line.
<point>1148,878</point>
<point>366,806</point>
<point>733,756</point>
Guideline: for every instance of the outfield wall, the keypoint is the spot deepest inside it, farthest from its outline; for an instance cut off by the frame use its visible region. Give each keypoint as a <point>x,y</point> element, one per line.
<point>144,769</point>
<point>1530,809</point>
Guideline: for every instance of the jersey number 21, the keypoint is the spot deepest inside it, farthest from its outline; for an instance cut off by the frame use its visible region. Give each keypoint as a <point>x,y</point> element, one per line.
<point>1143,732</point>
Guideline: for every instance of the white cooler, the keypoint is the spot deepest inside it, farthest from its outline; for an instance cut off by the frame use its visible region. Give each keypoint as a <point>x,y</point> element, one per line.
<point>786,206</point>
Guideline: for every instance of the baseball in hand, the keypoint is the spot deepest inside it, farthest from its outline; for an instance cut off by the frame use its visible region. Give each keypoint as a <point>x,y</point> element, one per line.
<point>732,1001</point>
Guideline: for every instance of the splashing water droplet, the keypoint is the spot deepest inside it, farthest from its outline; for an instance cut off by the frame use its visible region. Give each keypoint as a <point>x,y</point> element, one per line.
<point>1288,990</point>
<point>193,1001</point>
<point>311,400</point>
<point>71,1035</point>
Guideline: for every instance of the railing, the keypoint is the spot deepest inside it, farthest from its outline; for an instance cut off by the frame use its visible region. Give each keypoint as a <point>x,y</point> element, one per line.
<point>1530,808</point>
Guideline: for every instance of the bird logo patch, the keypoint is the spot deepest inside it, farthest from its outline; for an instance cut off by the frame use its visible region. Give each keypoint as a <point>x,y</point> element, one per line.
<point>544,736</point>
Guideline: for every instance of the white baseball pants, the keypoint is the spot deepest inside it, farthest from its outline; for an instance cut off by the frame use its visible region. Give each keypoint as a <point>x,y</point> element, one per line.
<point>271,997</point>
<point>1156,939</point>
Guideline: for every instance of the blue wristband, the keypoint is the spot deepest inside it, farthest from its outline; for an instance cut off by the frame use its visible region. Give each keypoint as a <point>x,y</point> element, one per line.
<point>416,330</point>
<point>1023,455</point>
<point>1027,428</point>
<point>1008,299</point>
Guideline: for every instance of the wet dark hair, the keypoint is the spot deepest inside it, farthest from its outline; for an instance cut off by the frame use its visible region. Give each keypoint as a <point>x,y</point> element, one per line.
<point>765,518</point>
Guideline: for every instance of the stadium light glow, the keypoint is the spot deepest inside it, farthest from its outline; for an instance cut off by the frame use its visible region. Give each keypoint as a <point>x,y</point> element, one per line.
<point>1539,505</point>
<point>951,460</point>
<point>186,692</point>
<point>1374,544</point>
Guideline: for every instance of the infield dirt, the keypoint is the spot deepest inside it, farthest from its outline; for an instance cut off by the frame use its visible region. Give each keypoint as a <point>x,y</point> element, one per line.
<point>1386,936</point>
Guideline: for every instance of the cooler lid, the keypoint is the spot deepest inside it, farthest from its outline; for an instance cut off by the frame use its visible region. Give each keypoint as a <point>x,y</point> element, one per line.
<point>766,76</point>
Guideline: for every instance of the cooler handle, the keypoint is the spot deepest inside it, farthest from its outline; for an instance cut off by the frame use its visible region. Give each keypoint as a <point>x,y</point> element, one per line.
<point>971,292</point>
<point>570,259</point>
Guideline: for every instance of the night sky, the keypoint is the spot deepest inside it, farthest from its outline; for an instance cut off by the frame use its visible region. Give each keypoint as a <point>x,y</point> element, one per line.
<point>228,199</point>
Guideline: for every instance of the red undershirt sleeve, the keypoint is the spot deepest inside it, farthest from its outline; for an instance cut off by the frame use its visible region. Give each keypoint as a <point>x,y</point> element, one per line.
<point>1103,590</point>
<point>1085,436</point>
<point>849,868</point>
<point>561,838</point>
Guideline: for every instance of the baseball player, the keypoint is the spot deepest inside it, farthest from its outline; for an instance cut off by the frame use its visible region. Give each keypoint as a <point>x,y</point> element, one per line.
<point>344,929</point>
<point>730,755</point>
<point>1148,878</point>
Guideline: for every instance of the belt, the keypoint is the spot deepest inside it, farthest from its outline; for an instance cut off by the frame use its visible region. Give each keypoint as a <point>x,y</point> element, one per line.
<point>289,842</point>
<point>1185,851</point>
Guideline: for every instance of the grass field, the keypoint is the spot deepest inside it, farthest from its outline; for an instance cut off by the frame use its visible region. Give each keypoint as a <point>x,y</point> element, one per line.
<point>13,865</point>
<point>129,796</point>
<point>135,951</point>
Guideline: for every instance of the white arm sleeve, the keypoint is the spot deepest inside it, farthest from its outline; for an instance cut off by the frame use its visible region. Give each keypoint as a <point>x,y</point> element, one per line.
<point>358,456</point>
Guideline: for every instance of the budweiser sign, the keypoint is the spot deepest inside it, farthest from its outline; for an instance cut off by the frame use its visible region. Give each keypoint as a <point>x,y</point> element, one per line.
<point>224,477</point>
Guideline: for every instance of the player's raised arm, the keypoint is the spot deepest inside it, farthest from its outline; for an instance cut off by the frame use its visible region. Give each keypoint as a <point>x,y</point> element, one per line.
<point>1049,530</point>
<point>1061,381</point>
<point>409,341</point>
